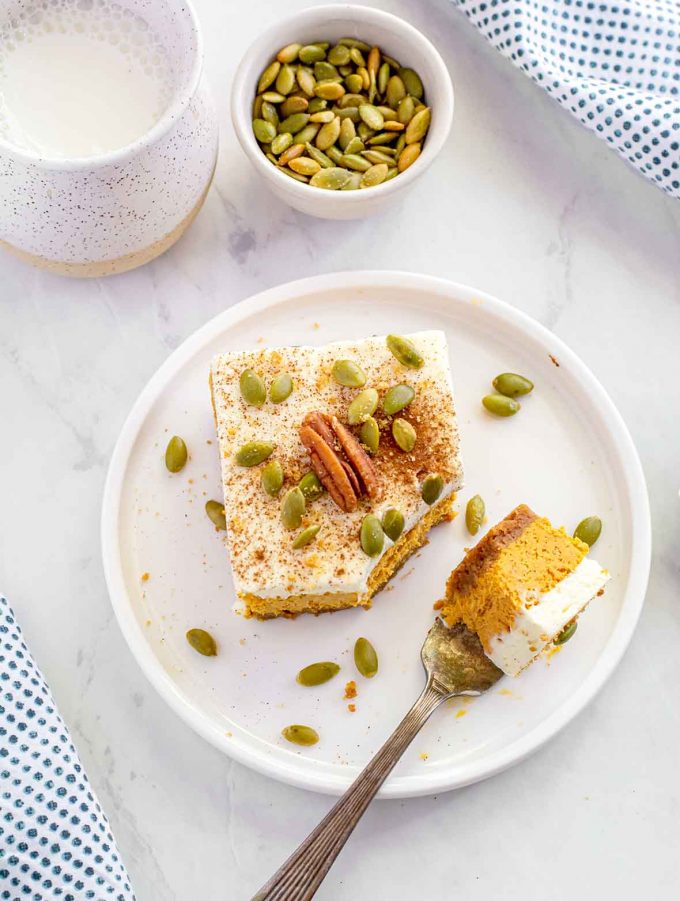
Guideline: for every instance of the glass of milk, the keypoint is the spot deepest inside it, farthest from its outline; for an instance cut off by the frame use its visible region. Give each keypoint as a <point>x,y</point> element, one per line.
<point>108,139</point>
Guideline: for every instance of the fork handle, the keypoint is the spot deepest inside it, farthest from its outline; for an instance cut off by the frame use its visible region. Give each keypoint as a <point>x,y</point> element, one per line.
<point>302,874</point>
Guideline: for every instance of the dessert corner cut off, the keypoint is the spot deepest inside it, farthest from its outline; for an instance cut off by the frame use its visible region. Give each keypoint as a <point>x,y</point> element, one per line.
<point>346,452</point>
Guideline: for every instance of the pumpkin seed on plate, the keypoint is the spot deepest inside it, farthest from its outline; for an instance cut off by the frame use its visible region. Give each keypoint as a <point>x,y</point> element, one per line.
<point>292,508</point>
<point>588,530</point>
<point>273,97</point>
<point>329,90</point>
<point>348,373</point>
<point>328,134</point>
<point>338,55</point>
<point>264,131</point>
<point>355,42</point>
<point>176,454</point>
<point>306,80</point>
<point>393,523</point>
<point>282,386</point>
<point>371,116</point>
<point>383,77</point>
<point>365,658</point>
<point>397,398</point>
<point>300,735</point>
<point>378,156</point>
<point>293,124</point>
<point>354,83</point>
<point>512,385</point>
<point>353,183</point>
<point>405,351</point>
<point>294,175</point>
<point>331,179</point>
<point>396,91</point>
<point>317,673</point>
<point>500,405</point>
<point>306,536</point>
<point>404,434</point>
<point>412,82</point>
<point>202,641</point>
<point>324,161</point>
<point>356,145</point>
<point>304,166</point>
<point>285,80</point>
<point>252,388</point>
<point>372,537</point>
<point>474,514</point>
<point>254,452</point>
<point>433,485</point>
<point>418,126</point>
<point>289,53</point>
<point>308,133</point>
<point>355,162</point>
<point>294,151</point>
<point>347,133</point>
<point>325,71</point>
<point>566,633</point>
<point>376,175</point>
<point>322,117</point>
<point>405,110</point>
<point>316,104</point>
<point>272,478</point>
<point>370,435</point>
<point>268,77</point>
<point>362,406</point>
<point>281,143</point>
<point>408,156</point>
<point>310,486</point>
<point>311,53</point>
<point>216,515</point>
<point>270,114</point>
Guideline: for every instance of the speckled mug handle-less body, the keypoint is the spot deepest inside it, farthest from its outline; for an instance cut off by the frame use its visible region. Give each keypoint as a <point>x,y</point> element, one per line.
<point>107,214</point>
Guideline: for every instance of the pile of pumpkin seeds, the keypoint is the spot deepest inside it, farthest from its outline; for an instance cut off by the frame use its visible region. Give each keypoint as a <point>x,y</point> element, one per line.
<point>342,116</point>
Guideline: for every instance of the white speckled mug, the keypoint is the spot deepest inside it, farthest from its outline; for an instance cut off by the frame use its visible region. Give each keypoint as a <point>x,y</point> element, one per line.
<point>99,215</point>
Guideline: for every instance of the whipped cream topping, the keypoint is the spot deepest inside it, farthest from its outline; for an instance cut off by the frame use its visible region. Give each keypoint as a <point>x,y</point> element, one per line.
<point>262,559</point>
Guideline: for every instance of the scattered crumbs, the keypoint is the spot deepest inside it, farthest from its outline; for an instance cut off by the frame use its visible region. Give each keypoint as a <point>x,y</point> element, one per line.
<point>476,301</point>
<point>407,574</point>
<point>351,689</point>
<point>506,692</point>
<point>424,756</point>
<point>600,593</point>
<point>145,577</point>
<point>315,325</point>
<point>148,622</point>
<point>550,652</point>
<point>260,340</point>
<point>191,481</point>
<point>352,708</point>
<point>228,734</point>
<point>553,360</point>
<point>460,713</point>
<point>241,641</point>
<point>208,441</point>
<point>438,605</point>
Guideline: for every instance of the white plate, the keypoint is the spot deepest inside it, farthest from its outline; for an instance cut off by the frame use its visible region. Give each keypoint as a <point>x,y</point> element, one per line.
<point>567,454</point>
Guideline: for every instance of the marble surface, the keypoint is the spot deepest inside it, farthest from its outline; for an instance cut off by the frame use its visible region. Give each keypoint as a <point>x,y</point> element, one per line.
<point>523,203</point>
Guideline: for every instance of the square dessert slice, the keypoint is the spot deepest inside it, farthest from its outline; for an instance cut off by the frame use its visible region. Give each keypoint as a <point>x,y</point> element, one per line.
<point>325,431</point>
<point>521,584</point>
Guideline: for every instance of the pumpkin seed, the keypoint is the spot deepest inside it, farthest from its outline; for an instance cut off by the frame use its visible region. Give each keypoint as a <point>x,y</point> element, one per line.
<point>304,166</point>
<point>357,56</point>
<point>325,71</point>
<point>310,486</point>
<point>294,175</point>
<point>281,143</point>
<point>474,514</point>
<point>391,61</point>
<point>349,112</point>
<point>418,126</point>
<point>282,386</point>
<point>500,405</point>
<point>397,398</point>
<point>376,175</point>
<point>272,478</point>
<point>289,53</point>
<point>332,179</point>
<point>356,162</point>
<point>268,77</point>
<point>323,117</point>
<point>294,151</point>
<point>371,536</point>
<point>308,133</point>
<point>408,156</point>
<point>364,405</point>
<point>257,107</point>
<point>300,735</point>
<point>370,435</point>
<point>176,454</point>
<point>405,351</point>
<point>378,156</point>
<point>317,673</point>
<point>348,373</point>
<point>394,126</point>
<point>405,110</point>
<point>269,114</point>
<point>371,116</point>
<point>566,633</point>
<point>306,80</point>
<point>395,92</point>
<point>356,145</point>
<point>353,183</point>
<point>354,83</point>
<point>311,53</point>
<point>264,131</point>
<point>273,97</point>
<point>404,434</point>
<point>364,132</point>
<point>293,124</point>
<point>252,388</point>
<point>383,77</point>
<point>328,134</point>
<point>354,42</point>
<point>216,515</point>
<point>347,133</point>
<point>329,90</point>
<point>588,530</point>
<point>316,104</point>
<point>338,55</point>
<point>324,161</point>
<point>305,537</point>
<point>254,452</point>
<point>202,641</point>
<point>383,138</point>
<point>285,80</point>
<point>412,82</point>
<point>365,658</point>
<point>335,154</point>
<point>292,508</point>
<point>393,523</point>
<point>433,485</point>
<point>512,385</point>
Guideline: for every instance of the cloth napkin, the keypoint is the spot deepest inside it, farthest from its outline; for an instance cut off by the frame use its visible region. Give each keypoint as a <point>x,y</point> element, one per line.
<point>614,64</point>
<point>55,841</point>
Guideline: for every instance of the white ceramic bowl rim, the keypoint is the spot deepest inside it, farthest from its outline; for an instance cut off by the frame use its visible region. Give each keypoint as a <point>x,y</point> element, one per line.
<point>181,99</point>
<point>242,119</point>
<point>514,751</point>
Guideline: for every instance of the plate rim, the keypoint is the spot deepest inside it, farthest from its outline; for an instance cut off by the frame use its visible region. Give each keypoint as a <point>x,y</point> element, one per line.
<point>635,492</point>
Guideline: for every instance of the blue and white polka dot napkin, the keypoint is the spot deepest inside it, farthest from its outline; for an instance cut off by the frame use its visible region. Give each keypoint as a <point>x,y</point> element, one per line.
<point>614,64</point>
<point>55,841</point>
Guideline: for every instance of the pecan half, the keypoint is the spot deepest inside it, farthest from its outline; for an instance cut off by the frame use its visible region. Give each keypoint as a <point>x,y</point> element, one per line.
<point>342,465</point>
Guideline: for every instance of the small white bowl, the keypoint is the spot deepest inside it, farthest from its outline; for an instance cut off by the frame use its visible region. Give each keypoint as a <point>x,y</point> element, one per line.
<point>330,23</point>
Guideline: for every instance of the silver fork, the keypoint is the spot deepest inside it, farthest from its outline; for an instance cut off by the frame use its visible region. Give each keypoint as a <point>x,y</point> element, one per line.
<point>455,665</point>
